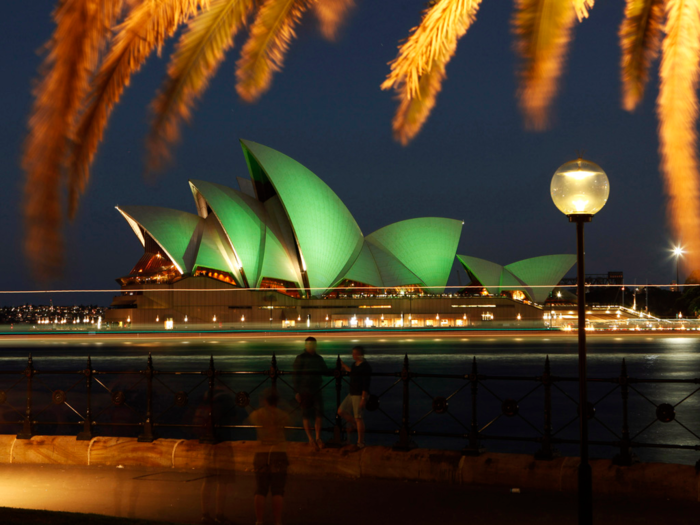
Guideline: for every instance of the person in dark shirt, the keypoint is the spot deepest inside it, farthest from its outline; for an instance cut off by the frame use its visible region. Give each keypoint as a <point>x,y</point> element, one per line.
<point>309,368</point>
<point>353,406</point>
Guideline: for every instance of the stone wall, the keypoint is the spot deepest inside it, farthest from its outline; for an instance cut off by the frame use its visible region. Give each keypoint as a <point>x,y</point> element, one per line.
<point>653,480</point>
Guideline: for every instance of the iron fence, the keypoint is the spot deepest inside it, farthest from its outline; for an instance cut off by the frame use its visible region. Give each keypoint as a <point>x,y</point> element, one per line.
<point>467,407</point>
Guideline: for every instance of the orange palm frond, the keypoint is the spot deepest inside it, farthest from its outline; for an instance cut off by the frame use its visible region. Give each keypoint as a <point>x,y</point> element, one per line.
<point>199,52</point>
<point>82,27</point>
<point>543,30</point>
<point>419,68</point>
<point>582,7</point>
<point>413,111</point>
<point>433,42</point>
<point>146,29</point>
<point>331,14</point>
<point>677,109</point>
<point>640,39</point>
<point>263,53</point>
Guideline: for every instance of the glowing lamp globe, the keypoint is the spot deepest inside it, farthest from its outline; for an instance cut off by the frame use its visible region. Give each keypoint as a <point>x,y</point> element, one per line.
<point>580,187</point>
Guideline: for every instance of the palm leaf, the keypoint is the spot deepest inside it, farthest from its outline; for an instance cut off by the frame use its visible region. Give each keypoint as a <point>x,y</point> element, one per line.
<point>413,111</point>
<point>433,42</point>
<point>263,53</point>
<point>543,30</point>
<point>82,27</point>
<point>419,68</point>
<point>640,39</point>
<point>677,109</point>
<point>582,7</point>
<point>331,14</point>
<point>146,29</point>
<point>199,53</point>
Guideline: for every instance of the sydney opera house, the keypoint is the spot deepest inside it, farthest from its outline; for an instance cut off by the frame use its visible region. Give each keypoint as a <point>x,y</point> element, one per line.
<point>283,251</point>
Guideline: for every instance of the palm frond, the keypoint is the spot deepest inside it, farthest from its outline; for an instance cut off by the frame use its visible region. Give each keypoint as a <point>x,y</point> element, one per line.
<point>198,55</point>
<point>543,30</point>
<point>82,27</point>
<point>640,39</point>
<point>432,42</point>
<point>414,110</point>
<point>582,7</point>
<point>331,14</point>
<point>145,30</point>
<point>263,53</point>
<point>677,109</point>
<point>419,68</point>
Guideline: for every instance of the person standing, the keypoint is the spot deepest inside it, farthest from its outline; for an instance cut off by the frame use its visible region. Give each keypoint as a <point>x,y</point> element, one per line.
<point>271,464</point>
<point>353,406</point>
<point>309,367</point>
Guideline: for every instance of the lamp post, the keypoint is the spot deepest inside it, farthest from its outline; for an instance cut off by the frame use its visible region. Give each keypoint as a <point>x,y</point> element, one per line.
<point>580,189</point>
<point>678,251</point>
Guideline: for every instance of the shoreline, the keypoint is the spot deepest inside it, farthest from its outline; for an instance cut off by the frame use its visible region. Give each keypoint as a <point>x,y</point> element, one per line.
<point>333,334</point>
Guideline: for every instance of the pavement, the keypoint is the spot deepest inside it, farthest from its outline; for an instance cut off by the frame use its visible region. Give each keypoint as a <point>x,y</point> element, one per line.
<point>177,496</point>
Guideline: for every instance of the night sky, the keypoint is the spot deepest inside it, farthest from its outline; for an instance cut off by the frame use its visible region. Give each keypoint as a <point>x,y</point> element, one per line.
<point>473,160</point>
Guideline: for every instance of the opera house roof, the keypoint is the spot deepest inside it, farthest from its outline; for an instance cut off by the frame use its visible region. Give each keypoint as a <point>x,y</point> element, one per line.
<point>536,276</point>
<point>286,225</point>
<point>285,228</point>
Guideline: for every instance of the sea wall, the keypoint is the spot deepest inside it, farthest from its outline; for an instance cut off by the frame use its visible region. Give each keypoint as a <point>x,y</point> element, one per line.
<point>653,480</point>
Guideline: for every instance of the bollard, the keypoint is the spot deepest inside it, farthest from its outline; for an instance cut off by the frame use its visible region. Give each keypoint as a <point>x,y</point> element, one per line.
<point>547,452</point>
<point>404,442</point>
<point>209,435</point>
<point>148,436</point>
<point>87,434</point>
<point>625,457</point>
<point>473,448</point>
<point>28,424</point>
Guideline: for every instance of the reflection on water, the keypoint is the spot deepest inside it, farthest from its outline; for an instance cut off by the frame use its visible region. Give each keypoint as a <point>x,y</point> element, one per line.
<point>659,357</point>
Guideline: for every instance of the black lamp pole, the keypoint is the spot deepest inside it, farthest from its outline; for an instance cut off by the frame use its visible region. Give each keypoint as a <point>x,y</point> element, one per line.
<point>585,478</point>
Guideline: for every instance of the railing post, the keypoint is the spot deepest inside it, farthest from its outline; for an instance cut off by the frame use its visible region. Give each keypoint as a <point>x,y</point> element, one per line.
<point>28,424</point>
<point>87,434</point>
<point>337,440</point>
<point>404,442</point>
<point>625,457</point>
<point>474,448</point>
<point>148,436</point>
<point>547,452</point>
<point>274,371</point>
<point>209,429</point>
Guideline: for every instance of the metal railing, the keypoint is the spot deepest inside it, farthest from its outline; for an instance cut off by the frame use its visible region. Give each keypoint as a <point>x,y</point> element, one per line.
<point>469,408</point>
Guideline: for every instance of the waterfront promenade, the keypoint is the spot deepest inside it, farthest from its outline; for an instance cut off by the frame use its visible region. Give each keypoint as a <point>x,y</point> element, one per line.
<point>175,496</point>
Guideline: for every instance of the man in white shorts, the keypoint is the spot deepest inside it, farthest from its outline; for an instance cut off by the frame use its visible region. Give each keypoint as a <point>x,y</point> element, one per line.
<point>354,404</point>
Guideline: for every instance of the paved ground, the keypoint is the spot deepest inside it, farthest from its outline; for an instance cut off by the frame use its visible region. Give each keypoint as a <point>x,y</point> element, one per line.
<point>176,496</point>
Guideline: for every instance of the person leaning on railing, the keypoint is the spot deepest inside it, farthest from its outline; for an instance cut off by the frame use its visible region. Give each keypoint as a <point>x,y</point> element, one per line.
<point>356,400</point>
<point>309,368</point>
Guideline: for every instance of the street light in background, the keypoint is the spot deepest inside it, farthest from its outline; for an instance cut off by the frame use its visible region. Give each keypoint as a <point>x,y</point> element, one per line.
<point>678,251</point>
<point>580,189</point>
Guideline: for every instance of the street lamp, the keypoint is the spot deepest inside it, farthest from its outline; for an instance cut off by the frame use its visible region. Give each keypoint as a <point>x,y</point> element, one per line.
<point>580,189</point>
<point>678,251</point>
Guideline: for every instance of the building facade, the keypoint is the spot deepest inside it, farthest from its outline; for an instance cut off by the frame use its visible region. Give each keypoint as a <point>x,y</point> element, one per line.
<point>284,251</point>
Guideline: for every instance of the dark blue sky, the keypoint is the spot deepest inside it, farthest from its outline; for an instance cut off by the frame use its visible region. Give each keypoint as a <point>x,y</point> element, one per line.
<point>473,160</point>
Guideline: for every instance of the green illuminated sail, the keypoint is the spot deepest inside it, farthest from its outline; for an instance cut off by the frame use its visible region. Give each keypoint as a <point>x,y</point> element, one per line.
<point>426,246</point>
<point>328,238</point>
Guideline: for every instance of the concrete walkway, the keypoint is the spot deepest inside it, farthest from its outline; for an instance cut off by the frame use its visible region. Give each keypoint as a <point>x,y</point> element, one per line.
<point>176,496</point>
